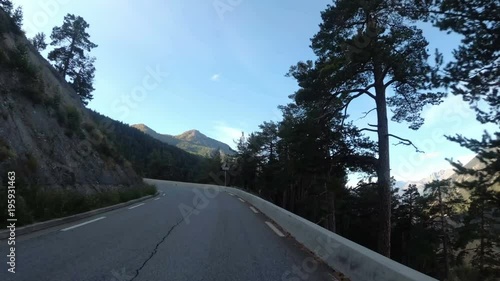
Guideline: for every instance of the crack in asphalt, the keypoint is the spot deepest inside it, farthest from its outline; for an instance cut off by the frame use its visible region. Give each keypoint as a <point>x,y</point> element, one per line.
<point>155,250</point>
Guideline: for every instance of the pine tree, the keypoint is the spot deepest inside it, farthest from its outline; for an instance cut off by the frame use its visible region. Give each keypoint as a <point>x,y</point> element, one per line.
<point>71,58</point>
<point>474,75</point>
<point>406,216</point>
<point>38,41</point>
<point>483,216</point>
<point>17,17</point>
<point>82,78</point>
<point>444,205</point>
<point>364,48</point>
<point>7,6</point>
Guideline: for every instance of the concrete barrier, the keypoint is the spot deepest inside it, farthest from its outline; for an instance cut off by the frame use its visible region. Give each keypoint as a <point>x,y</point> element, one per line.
<point>4,234</point>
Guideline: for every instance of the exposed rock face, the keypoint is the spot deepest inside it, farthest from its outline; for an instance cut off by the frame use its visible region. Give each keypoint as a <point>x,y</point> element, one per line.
<point>46,135</point>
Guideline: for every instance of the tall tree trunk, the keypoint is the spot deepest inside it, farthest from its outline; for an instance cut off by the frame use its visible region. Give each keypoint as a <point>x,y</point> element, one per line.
<point>383,168</point>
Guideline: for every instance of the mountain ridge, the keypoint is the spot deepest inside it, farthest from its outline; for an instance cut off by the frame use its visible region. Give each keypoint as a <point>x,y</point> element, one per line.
<point>192,141</point>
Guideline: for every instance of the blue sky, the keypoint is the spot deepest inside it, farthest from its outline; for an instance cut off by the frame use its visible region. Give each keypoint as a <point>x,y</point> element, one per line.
<point>219,67</point>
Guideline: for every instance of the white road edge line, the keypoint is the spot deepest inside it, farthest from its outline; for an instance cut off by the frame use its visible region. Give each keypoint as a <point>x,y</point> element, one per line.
<point>277,231</point>
<point>241,200</point>
<point>254,210</point>
<point>138,205</point>
<point>82,224</point>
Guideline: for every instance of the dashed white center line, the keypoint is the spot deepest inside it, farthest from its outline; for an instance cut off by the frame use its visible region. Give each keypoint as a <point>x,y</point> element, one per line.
<point>231,194</point>
<point>254,210</point>
<point>241,200</point>
<point>138,205</point>
<point>157,198</point>
<point>82,224</point>
<point>277,231</point>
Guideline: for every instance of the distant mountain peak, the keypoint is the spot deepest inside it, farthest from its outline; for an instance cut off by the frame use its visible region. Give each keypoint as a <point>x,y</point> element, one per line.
<point>191,134</point>
<point>192,141</point>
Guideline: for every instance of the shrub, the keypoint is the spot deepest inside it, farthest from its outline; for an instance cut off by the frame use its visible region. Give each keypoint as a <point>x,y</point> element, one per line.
<point>19,60</point>
<point>72,120</point>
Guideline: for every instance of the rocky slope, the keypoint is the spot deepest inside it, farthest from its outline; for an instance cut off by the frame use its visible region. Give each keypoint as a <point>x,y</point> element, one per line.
<point>192,141</point>
<point>46,134</point>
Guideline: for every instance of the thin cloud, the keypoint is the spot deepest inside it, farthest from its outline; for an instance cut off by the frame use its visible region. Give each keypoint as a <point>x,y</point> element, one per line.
<point>430,155</point>
<point>215,77</point>
<point>453,113</point>
<point>227,134</point>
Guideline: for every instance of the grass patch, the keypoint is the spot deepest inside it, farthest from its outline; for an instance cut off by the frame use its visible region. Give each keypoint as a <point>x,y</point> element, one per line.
<point>36,204</point>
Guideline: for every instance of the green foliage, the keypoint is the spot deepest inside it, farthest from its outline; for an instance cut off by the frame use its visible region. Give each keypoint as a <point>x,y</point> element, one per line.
<point>365,48</point>
<point>483,216</point>
<point>53,101</point>
<point>17,18</point>
<point>149,157</point>
<point>73,119</point>
<point>6,6</point>
<point>474,73</point>
<point>444,204</point>
<point>20,61</point>
<point>38,41</point>
<point>13,20</point>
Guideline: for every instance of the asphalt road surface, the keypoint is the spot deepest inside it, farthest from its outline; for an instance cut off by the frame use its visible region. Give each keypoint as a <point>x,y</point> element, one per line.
<point>185,234</point>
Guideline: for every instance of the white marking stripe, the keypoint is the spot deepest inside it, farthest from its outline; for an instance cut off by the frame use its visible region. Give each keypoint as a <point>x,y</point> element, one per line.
<point>82,224</point>
<point>277,231</point>
<point>241,200</point>
<point>157,198</point>
<point>138,205</point>
<point>254,210</point>
<point>231,194</point>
